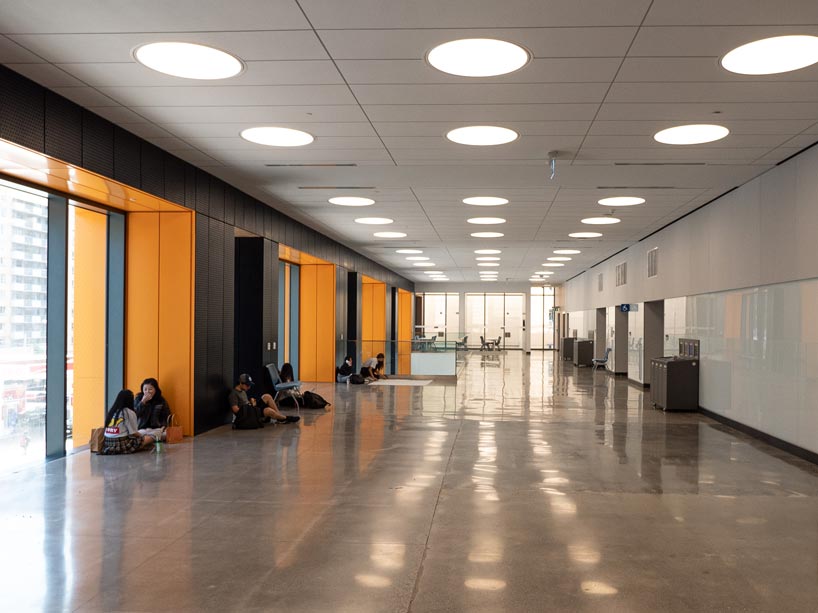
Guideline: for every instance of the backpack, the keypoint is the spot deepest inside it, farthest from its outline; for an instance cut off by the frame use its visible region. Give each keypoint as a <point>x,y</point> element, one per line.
<point>314,401</point>
<point>248,418</point>
<point>356,379</point>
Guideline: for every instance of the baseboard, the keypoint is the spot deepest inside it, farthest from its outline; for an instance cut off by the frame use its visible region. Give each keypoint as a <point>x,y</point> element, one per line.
<point>804,454</point>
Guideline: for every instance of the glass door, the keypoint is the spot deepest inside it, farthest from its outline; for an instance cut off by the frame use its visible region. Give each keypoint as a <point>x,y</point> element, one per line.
<point>542,318</point>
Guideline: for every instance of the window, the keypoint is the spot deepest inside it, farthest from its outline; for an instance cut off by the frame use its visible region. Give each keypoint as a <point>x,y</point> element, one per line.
<point>653,262</point>
<point>621,274</point>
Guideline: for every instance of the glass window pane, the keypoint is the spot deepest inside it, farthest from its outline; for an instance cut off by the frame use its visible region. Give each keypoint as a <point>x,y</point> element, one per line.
<point>23,318</point>
<point>474,318</point>
<point>513,326</point>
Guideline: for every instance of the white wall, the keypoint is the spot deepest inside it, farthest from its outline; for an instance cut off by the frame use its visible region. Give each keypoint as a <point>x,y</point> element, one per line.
<point>740,275</point>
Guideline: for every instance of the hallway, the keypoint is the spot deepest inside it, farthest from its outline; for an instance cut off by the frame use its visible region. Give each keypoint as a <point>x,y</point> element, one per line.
<point>530,485</point>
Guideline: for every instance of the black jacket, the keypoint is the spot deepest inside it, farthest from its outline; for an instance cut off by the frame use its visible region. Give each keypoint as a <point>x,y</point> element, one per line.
<point>153,414</point>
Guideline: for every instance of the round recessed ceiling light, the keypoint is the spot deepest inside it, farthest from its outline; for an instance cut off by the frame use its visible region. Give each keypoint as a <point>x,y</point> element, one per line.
<point>486,221</point>
<point>694,134</point>
<point>600,221</point>
<point>478,57</point>
<point>567,251</point>
<point>374,221</point>
<point>488,251</point>
<point>773,55</point>
<point>351,201</point>
<point>485,201</point>
<point>390,234</point>
<point>554,264</point>
<point>424,264</point>
<point>188,60</point>
<point>585,234</point>
<point>434,273</point>
<point>408,251</point>
<point>487,258</point>
<point>417,258</point>
<point>488,264</point>
<point>621,201</point>
<point>277,137</point>
<point>488,273</point>
<point>487,234</point>
<point>482,136</point>
<point>558,259</point>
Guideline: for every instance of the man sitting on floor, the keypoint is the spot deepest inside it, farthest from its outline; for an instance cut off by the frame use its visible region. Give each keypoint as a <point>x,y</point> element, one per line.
<point>245,409</point>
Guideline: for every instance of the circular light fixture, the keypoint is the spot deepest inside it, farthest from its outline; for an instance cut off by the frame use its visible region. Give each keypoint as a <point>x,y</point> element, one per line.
<point>488,264</point>
<point>408,251</point>
<point>424,264</point>
<point>693,134</point>
<point>585,234</point>
<point>486,221</point>
<point>188,60</point>
<point>554,264</point>
<point>488,273</point>
<point>621,201</point>
<point>487,234</point>
<point>351,201</point>
<point>773,55</point>
<point>417,258</point>
<point>478,57</point>
<point>487,258</point>
<point>485,201</point>
<point>272,136</point>
<point>488,251</point>
<point>482,136</point>
<point>546,273</point>
<point>390,234</point>
<point>567,251</point>
<point>557,259</point>
<point>601,221</point>
<point>375,221</point>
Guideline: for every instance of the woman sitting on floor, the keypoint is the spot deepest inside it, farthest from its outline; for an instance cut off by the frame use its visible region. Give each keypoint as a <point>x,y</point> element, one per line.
<point>152,410</point>
<point>121,431</point>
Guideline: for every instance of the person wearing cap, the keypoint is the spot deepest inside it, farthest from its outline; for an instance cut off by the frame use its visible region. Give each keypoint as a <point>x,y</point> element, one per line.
<point>238,399</point>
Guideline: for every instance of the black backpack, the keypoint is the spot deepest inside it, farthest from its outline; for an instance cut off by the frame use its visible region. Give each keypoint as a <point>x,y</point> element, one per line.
<point>248,418</point>
<point>314,401</point>
<point>356,379</point>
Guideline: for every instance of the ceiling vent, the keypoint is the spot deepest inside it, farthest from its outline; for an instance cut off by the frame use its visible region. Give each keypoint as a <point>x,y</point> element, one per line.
<point>653,262</point>
<point>621,274</point>
<point>336,187</point>
<point>660,163</point>
<point>350,165</point>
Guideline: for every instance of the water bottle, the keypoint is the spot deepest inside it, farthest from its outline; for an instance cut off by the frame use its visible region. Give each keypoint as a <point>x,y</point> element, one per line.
<point>347,381</point>
<point>159,446</point>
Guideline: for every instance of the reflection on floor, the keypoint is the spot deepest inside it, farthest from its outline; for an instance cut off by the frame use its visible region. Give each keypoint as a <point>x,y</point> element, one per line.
<point>529,486</point>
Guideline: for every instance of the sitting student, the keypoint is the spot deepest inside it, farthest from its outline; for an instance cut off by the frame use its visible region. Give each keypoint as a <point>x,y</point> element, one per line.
<point>246,413</point>
<point>152,410</point>
<point>121,432</point>
<point>373,368</point>
<point>345,370</point>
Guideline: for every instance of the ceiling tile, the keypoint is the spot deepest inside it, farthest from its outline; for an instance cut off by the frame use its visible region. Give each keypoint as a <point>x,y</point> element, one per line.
<point>148,16</point>
<point>519,93</point>
<point>472,13</point>
<point>284,95</point>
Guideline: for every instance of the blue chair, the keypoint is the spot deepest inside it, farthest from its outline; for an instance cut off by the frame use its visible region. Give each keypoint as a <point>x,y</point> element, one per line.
<point>281,386</point>
<point>603,360</point>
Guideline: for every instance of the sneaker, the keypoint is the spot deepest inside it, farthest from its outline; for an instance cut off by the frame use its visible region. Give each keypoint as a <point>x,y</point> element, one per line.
<point>290,419</point>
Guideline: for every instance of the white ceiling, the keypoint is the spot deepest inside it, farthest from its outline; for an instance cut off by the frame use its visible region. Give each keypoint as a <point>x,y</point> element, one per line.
<point>606,75</point>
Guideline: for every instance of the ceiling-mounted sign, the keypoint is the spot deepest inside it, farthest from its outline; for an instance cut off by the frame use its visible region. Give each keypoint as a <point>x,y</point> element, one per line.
<point>624,308</point>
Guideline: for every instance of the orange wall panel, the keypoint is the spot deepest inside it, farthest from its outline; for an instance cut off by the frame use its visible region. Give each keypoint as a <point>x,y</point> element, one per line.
<point>90,250</point>
<point>404,332</point>
<point>159,307</point>
<point>176,287</point>
<point>317,323</point>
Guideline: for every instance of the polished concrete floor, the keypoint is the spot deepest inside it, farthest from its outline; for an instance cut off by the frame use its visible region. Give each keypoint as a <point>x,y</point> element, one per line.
<point>529,486</point>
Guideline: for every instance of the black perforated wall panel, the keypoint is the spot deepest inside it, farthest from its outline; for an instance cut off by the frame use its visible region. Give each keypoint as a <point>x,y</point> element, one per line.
<point>63,129</point>
<point>127,158</point>
<point>97,144</point>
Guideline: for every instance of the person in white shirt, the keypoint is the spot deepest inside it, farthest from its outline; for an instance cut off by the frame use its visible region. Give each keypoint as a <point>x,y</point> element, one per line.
<point>121,428</point>
<point>373,368</point>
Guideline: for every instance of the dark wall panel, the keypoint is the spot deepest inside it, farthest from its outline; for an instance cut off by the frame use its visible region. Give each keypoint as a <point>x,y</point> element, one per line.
<point>63,129</point>
<point>228,301</point>
<point>152,169</point>
<point>215,411</point>
<point>22,110</point>
<point>202,192</point>
<point>127,158</point>
<point>174,179</point>
<point>201,423</point>
<point>97,144</point>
